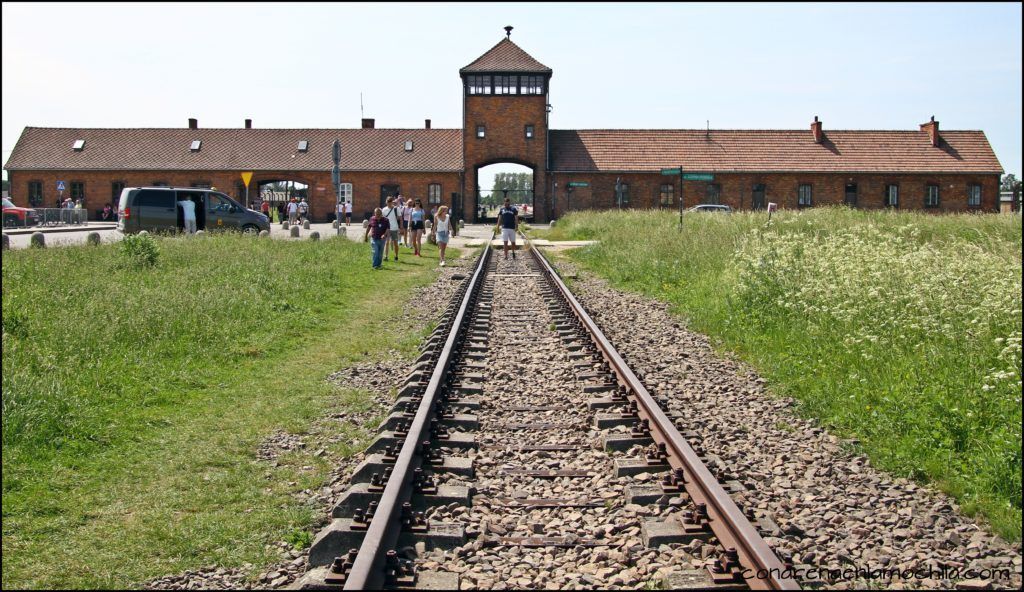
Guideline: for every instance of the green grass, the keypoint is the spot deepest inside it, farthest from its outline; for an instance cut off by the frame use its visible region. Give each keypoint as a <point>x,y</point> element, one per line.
<point>134,399</point>
<point>900,329</point>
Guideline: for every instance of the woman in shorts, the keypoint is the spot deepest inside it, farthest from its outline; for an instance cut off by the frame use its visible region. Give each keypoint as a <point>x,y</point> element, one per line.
<point>442,230</point>
<point>417,219</point>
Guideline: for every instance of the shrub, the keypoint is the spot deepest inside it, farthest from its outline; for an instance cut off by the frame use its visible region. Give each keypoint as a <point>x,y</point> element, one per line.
<point>140,250</point>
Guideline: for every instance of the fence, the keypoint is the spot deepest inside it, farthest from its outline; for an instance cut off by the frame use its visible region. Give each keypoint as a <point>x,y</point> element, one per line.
<point>61,217</point>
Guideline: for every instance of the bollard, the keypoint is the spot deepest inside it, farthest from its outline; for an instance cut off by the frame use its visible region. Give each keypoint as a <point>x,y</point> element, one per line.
<point>200,233</point>
<point>462,224</point>
<point>314,235</point>
<point>143,233</point>
<point>295,231</point>
<point>342,231</point>
<point>264,233</point>
<point>6,243</point>
<point>284,224</point>
<point>551,224</point>
<point>335,224</point>
<point>366,224</point>
<point>38,240</point>
<point>93,238</point>
<point>305,224</point>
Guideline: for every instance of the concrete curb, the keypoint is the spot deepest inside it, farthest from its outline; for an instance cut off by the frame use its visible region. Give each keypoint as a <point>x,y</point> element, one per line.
<point>61,229</point>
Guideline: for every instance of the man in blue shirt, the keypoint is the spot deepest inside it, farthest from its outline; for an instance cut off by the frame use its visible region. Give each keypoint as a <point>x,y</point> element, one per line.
<point>508,216</point>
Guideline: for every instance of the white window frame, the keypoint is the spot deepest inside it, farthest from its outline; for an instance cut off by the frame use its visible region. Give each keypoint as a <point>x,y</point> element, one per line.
<point>892,195</point>
<point>974,195</point>
<point>931,196</point>
<point>345,192</point>
<point>804,195</point>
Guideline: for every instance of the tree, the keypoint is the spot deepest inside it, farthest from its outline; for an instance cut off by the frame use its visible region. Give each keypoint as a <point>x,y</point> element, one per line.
<point>1012,183</point>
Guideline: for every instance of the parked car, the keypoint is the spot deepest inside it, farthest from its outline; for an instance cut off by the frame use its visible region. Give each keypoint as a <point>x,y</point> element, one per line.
<point>710,208</point>
<point>156,209</point>
<point>17,216</point>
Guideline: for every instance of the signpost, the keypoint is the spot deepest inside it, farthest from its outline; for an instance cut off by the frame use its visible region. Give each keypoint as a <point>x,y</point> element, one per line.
<point>336,179</point>
<point>246,177</point>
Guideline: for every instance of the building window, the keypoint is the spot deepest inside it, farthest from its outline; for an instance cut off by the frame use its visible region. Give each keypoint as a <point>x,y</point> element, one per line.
<point>481,131</point>
<point>116,188</point>
<point>434,193</point>
<point>77,190</point>
<point>974,196</point>
<point>529,132</point>
<point>531,85</point>
<point>346,192</point>
<point>625,194</point>
<point>713,194</point>
<point>160,184</point>
<point>892,196</point>
<point>803,196</point>
<point>505,85</point>
<point>667,194</point>
<point>479,85</point>
<point>35,193</point>
<point>931,196</point>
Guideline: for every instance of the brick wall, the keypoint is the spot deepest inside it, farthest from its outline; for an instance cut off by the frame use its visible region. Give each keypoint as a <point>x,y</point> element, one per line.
<point>736,190</point>
<point>505,118</point>
<point>322,198</point>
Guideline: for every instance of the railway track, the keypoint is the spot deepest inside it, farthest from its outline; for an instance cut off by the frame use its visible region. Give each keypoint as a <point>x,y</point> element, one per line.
<point>523,452</point>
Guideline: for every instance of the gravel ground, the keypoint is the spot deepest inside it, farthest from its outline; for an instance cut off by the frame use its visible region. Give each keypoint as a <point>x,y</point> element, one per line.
<point>834,508</point>
<point>520,338</point>
<point>378,377</point>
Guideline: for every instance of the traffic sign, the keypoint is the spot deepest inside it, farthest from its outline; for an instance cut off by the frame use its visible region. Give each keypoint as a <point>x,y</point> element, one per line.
<point>336,152</point>
<point>698,177</point>
<point>671,171</point>
<point>246,177</point>
<point>60,185</point>
<point>578,184</point>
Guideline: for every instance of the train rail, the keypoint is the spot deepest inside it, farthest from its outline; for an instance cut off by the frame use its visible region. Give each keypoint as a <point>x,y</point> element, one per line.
<point>390,512</point>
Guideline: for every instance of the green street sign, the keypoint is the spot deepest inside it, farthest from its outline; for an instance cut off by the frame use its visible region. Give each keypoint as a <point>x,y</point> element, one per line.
<point>698,177</point>
<point>578,184</point>
<point>671,171</point>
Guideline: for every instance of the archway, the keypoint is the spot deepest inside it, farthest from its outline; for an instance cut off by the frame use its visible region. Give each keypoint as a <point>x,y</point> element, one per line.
<point>502,180</point>
<point>278,192</point>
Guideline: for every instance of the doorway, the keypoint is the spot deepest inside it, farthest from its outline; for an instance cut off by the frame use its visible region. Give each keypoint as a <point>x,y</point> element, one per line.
<point>850,196</point>
<point>387,191</point>
<point>757,199</point>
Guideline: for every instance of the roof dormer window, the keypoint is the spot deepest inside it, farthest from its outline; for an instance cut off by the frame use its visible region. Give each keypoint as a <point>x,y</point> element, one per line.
<point>408,145</point>
<point>196,145</point>
<point>303,145</point>
<point>79,145</point>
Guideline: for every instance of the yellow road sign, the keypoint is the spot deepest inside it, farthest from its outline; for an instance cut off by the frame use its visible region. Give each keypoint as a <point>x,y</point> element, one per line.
<point>246,177</point>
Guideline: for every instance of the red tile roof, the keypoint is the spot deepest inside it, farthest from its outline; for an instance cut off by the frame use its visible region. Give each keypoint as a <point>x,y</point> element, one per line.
<point>772,151</point>
<point>506,57</point>
<point>237,149</point>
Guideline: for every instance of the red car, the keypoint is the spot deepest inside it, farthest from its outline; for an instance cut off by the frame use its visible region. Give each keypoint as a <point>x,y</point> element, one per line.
<point>15,216</point>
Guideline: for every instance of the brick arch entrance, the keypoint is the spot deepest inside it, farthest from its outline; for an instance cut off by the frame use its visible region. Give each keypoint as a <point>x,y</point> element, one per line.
<point>486,200</point>
<point>279,188</point>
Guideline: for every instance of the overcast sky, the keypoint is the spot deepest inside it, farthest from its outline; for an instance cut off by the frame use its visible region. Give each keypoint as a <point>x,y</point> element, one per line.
<point>857,66</point>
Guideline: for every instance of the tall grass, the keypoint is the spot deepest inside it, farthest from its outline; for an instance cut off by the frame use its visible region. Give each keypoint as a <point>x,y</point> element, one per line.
<point>135,396</point>
<point>901,329</point>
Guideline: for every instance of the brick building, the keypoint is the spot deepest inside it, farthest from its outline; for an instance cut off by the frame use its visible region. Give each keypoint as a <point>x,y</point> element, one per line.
<point>506,115</point>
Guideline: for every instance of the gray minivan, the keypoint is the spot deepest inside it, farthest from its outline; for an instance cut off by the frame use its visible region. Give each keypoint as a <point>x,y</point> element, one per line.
<point>156,209</point>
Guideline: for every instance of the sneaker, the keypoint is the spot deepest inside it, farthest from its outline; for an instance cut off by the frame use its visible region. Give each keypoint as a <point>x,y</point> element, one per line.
<point>396,257</point>
<point>442,264</point>
<point>513,254</point>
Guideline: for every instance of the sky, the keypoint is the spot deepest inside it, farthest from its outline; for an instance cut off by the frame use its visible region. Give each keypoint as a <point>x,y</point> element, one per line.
<point>636,65</point>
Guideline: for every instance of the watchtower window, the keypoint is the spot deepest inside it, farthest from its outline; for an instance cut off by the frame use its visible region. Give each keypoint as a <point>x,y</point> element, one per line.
<point>531,85</point>
<point>505,85</point>
<point>478,85</point>
<point>529,132</point>
<point>481,131</point>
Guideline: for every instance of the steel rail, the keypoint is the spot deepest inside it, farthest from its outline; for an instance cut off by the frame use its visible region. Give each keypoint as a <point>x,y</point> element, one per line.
<point>763,570</point>
<point>383,531</point>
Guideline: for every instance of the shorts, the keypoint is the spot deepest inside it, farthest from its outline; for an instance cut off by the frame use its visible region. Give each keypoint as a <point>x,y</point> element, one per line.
<point>403,224</point>
<point>417,225</point>
<point>508,234</point>
<point>394,235</point>
<point>442,236</point>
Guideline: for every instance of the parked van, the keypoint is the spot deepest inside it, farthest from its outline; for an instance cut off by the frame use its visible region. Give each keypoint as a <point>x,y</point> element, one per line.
<point>156,209</point>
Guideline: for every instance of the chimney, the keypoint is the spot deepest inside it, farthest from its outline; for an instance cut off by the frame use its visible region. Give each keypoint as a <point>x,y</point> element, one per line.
<point>819,137</point>
<point>367,123</point>
<point>248,124</point>
<point>193,123</point>
<point>428,124</point>
<point>932,127</point>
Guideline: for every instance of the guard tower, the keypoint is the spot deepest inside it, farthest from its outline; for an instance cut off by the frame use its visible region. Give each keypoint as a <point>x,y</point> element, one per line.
<point>505,120</point>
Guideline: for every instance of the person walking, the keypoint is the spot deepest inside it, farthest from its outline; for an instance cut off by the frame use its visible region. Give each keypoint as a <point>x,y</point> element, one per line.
<point>293,211</point>
<point>391,214</point>
<point>265,208</point>
<point>378,229</point>
<point>508,218</point>
<point>188,214</point>
<point>440,230</point>
<point>280,212</point>
<point>339,212</point>
<point>416,219</point>
<point>348,213</point>
<point>303,210</point>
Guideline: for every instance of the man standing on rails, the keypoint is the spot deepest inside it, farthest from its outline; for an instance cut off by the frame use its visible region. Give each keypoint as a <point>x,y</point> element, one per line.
<point>508,217</point>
